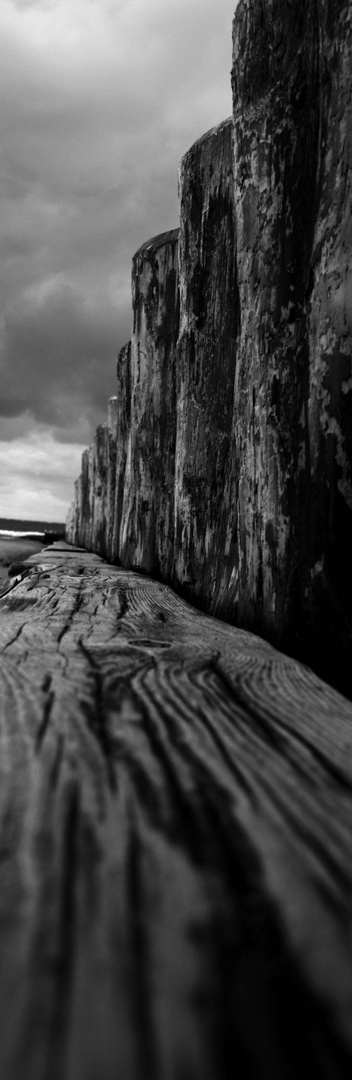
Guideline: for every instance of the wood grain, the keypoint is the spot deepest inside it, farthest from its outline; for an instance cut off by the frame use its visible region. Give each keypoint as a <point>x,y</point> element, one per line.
<point>175,840</point>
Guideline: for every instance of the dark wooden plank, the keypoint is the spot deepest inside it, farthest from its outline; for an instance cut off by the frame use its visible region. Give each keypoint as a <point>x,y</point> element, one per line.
<point>175,840</point>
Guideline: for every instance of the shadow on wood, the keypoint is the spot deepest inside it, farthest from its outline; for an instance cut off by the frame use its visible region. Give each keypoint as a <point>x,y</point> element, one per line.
<point>176,863</point>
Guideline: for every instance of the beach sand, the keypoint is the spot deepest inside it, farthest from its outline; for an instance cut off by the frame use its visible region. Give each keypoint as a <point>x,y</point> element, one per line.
<point>12,550</point>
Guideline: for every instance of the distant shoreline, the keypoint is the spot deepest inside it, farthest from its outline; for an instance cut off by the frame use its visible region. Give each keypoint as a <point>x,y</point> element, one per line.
<point>28,525</point>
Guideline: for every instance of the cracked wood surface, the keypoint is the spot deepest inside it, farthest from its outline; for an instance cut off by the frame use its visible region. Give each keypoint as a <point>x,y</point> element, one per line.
<point>175,840</point>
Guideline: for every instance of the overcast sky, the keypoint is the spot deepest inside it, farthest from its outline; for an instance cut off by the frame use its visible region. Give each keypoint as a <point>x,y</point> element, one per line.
<point>100,99</point>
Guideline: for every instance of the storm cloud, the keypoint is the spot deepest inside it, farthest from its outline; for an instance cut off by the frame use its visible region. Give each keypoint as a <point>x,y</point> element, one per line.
<point>100,99</point>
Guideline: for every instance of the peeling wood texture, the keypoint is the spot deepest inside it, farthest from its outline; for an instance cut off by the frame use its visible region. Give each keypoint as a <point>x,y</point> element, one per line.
<point>175,844</point>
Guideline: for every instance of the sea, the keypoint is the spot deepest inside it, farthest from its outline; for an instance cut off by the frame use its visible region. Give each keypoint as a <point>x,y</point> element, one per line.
<point>34,530</point>
<point>18,534</point>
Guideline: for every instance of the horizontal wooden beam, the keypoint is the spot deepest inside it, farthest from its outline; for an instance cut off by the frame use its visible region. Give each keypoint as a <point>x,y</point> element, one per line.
<point>175,840</point>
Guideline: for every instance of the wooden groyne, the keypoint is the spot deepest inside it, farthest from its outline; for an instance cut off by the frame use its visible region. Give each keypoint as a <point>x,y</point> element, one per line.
<point>225,465</point>
<point>175,844</point>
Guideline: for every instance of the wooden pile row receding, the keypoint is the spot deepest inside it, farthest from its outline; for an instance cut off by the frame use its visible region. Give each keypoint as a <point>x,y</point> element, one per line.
<point>225,467</point>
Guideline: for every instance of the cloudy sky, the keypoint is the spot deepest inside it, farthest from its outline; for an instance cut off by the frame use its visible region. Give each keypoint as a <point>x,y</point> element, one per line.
<point>100,99</point>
